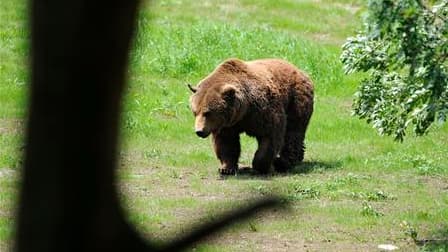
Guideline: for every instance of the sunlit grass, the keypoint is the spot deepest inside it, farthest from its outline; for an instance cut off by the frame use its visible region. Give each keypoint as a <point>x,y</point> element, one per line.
<point>354,188</point>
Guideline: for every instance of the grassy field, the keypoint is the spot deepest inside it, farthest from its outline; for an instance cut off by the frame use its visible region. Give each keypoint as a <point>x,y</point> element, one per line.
<point>354,191</point>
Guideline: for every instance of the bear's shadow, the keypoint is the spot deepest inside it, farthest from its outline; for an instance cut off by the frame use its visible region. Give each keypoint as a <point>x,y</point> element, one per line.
<point>246,172</point>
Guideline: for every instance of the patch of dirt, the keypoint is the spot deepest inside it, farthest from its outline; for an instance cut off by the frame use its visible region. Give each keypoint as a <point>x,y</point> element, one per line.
<point>11,126</point>
<point>257,241</point>
<point>325,37</point>
<point>436,184</point>
<point>7,173</point>
<point>353,9</point>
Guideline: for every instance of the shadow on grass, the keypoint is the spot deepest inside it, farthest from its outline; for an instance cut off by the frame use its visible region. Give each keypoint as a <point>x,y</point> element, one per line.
<point>314,166</point>
<point>247,172</point>
<point>438,244</point>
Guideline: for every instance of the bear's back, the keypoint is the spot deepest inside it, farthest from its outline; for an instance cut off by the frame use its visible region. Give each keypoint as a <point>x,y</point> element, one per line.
<point>275,73</point>
<point>280,72</point>
<point>276,67</point>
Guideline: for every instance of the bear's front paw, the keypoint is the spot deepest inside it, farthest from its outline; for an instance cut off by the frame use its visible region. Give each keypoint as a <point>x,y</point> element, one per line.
<point>227,171</point>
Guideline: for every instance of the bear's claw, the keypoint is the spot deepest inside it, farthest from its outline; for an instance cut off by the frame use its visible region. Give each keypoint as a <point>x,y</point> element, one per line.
<point>227,171</point>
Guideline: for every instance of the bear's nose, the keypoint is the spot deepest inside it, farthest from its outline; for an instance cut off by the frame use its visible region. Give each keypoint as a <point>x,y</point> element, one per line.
<point>201,133</point>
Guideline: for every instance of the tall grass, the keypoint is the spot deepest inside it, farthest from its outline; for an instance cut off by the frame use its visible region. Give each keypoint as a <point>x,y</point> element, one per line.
<point>190,52</point>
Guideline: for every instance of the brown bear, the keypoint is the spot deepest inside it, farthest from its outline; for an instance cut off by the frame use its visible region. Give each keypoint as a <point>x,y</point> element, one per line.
<point>269,99</point>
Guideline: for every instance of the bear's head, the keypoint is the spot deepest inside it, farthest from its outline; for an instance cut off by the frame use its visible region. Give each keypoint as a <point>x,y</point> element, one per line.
<point>216,107</point>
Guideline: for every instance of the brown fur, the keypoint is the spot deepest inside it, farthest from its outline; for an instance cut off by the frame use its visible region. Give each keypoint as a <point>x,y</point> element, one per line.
<point>268,99</point>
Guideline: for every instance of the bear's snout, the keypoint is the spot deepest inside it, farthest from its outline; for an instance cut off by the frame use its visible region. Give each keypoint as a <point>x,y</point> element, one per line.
<point>202,134</point>
<point>202,127</point>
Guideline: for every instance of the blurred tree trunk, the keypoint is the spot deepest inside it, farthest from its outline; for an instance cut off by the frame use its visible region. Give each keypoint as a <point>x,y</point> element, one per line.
<point>68,200</point>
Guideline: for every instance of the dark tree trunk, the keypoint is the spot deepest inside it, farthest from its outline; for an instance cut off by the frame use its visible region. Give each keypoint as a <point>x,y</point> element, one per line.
<point>68,199</point>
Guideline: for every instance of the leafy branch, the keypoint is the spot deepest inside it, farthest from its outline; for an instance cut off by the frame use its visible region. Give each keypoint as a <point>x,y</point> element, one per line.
<point>403,47</point>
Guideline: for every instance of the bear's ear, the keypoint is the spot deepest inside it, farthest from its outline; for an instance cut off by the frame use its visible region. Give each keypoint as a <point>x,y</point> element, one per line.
<point>194,90</point>
<point>228,93</point>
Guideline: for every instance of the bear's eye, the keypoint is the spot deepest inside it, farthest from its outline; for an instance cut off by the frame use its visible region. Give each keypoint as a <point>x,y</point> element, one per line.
<point>207,114</point>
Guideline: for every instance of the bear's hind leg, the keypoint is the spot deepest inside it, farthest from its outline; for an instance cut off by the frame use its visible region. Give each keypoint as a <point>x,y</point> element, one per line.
<point>227,148</point>
<point>292,152</point>
<point>264,156</point>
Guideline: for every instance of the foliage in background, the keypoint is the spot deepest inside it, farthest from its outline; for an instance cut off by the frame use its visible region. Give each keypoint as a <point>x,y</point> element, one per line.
<point>404,49</point>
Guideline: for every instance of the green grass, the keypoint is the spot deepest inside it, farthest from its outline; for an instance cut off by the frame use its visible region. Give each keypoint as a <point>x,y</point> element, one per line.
<point>354,190</point>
